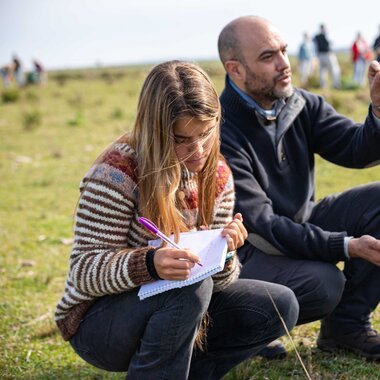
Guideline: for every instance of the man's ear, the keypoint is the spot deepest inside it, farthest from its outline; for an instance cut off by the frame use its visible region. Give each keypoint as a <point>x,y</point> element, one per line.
<point>235,70</point>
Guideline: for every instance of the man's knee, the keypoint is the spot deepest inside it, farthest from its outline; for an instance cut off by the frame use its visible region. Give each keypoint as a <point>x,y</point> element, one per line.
<point>329,288</point>
<point>265,313</point>
<point>322,293</point>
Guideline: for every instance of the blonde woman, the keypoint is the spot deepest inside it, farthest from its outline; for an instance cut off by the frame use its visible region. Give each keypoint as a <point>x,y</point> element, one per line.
<point>169,170</point>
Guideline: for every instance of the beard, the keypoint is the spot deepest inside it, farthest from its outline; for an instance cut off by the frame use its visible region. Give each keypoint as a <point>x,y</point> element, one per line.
<point>264,90</point>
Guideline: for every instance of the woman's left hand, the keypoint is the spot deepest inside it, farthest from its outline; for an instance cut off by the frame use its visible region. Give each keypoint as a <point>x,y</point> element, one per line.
<point>235,233</point>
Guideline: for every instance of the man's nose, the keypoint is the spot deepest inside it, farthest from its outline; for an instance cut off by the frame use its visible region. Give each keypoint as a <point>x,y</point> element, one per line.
<point>283,61</point>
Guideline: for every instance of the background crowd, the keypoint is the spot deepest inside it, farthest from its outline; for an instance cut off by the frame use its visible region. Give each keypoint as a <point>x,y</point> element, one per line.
<point>316,57</point>
<point>14,73</point>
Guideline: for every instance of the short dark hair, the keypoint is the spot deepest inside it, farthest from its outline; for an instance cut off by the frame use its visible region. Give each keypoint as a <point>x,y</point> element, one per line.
<point>228,43</point>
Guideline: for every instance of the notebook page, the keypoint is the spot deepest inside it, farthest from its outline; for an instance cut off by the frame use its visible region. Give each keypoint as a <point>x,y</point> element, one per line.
<point>211,248</point>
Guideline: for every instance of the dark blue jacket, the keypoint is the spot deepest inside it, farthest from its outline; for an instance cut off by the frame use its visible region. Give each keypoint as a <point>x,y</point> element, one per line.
<point>275,183</point>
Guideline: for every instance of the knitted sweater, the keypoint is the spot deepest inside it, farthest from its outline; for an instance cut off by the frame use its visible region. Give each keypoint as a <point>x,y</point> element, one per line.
<point>110,245</point>
<point>274,181</point>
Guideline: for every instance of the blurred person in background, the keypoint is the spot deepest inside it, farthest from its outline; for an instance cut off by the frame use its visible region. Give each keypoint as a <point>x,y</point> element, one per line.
<point>328,62</point>
<point>361,55</point>
<point>306,57</point>
<point>6,75</point>
<point>18,71</point>
<point>40,72</point>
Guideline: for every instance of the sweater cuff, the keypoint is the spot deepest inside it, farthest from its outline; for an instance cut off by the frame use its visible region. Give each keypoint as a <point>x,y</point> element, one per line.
<point>336,246</point>
<point>150,263</point>
<point>138,271</point>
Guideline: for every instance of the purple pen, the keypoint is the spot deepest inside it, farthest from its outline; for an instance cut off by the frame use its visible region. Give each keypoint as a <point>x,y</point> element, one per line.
<point>153,228</point>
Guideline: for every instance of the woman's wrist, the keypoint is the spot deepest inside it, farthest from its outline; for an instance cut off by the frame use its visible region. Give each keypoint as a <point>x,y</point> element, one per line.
<point>150,264</point>
<point>230,255</point>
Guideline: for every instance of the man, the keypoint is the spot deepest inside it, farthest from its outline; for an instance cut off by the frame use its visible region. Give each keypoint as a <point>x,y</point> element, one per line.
<point>270,134</point>
<point>328,61</point>
<point>306,56</point>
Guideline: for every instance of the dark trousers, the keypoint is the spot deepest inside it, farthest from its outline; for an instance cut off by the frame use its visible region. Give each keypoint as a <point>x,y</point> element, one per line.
<point>345,300</point>
<point>154,338</point>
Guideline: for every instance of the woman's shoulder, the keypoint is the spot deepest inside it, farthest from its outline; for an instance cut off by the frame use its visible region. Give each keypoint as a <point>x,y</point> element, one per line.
<point>115,167</point>
<point>120,157</point>
<point>223,168</point>
<point>224,179</point>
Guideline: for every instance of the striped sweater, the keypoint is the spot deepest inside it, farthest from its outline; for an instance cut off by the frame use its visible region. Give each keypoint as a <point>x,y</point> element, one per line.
<point>109,249</point>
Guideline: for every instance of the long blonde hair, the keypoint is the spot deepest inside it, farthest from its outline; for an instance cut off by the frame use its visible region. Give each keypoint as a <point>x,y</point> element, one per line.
<point>171,91</point>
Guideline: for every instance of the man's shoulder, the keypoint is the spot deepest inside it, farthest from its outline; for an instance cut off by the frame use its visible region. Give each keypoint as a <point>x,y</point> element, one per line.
<point>307,96</point>
<point>307,105</point>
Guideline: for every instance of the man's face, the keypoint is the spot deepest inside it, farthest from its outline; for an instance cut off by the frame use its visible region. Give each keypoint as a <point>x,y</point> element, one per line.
<point>267,68</point>
<point>268,86</point>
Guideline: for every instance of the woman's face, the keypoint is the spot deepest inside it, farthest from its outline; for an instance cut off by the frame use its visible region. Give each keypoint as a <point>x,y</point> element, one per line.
<point>193,141</point>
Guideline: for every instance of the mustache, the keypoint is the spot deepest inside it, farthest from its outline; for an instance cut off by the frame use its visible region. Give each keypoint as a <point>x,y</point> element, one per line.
<point>283,75</point>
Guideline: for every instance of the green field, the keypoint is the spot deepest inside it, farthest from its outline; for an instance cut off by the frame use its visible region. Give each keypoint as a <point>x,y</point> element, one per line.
<point>49,137</point>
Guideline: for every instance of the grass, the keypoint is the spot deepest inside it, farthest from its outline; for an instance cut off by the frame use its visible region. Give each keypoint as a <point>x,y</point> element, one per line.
<point>42,160</point>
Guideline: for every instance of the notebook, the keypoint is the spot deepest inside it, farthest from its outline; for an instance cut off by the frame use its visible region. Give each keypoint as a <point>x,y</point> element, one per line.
<point>209,245</point>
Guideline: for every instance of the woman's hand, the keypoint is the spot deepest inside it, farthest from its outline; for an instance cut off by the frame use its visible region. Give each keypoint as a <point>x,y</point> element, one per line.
<point>173,263</point>
<point>235,233</point>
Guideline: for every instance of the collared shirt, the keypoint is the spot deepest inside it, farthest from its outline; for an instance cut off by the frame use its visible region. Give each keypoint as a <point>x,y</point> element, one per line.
<point>267,114</point>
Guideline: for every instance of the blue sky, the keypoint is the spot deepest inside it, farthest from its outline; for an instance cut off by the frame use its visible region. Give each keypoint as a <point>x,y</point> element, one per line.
<point>79,33</point>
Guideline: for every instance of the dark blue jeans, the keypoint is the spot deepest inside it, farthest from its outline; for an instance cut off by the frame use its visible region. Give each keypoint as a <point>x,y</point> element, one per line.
<point>344,299</point>
<point>154,338</point>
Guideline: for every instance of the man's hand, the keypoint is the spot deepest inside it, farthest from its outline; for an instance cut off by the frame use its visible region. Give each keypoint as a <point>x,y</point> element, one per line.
<point>374,85</point>
<point>366,247</point>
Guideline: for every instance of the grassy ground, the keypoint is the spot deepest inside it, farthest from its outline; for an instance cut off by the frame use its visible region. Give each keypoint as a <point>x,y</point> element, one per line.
<point>48,138</point>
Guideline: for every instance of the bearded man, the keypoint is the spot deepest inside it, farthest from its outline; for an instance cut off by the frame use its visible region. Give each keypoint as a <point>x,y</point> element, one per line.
<point>270,134</point>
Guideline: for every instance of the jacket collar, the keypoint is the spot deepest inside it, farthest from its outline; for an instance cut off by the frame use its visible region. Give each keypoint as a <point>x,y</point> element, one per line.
<point>293,107</point>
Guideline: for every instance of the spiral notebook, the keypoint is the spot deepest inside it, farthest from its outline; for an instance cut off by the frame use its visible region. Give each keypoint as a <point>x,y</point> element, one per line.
<point>209,245</point>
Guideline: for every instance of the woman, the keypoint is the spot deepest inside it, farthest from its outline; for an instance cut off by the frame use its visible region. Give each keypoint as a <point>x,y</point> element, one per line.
<point>361,55</point>
<point>169,170</point>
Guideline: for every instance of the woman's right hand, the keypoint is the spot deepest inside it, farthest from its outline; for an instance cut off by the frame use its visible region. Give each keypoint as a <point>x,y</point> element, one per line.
<point>174,264</point>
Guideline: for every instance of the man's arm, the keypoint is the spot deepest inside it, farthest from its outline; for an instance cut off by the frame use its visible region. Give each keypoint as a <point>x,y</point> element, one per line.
<point>339,139</point>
